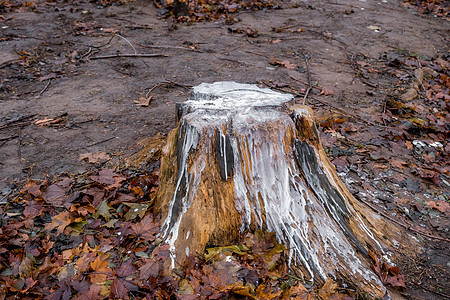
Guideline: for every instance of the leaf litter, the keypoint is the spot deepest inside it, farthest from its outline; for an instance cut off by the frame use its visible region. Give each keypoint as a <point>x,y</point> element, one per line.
<point>88,244</point>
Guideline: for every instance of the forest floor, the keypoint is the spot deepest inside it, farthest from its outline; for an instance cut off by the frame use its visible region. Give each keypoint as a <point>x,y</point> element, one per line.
<point>378,73</point>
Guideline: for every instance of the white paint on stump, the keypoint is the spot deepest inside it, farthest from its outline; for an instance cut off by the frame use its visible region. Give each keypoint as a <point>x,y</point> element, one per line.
<point>267,174</point>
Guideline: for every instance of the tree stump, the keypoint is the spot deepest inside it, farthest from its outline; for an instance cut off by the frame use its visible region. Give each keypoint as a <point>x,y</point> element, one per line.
<point>248,158</point>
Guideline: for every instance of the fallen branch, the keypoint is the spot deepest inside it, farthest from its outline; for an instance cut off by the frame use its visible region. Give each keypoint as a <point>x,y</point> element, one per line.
<point>309,80</point>
<point>406,226</point>
<point>342,111</point>
<point>129,55</point>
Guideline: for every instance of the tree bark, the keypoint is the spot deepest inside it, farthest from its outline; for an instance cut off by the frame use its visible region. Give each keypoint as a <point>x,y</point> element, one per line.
<point>246,158</point>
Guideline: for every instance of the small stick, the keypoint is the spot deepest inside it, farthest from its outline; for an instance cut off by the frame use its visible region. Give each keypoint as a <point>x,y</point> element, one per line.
<point>166,83</point>
<point>8,138</point>
<point>17,122</point>
<point>135,52</point>
<point>100,142</point>
<point>44,89</point>
<point>129,55</point>
<point>408,227</point>
<point>309,79</point>
<point>19,149</point>
<point>169,47</point>
<point>430,290</point>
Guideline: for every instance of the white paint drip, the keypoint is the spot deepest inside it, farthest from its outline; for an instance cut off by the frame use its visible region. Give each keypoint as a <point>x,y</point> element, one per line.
<point>266,177</point>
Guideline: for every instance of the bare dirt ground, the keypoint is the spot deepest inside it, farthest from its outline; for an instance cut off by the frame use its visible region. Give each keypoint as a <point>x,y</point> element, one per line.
<point>62,98</point>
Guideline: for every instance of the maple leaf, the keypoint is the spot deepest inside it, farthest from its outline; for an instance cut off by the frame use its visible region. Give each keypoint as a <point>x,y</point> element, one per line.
<point>84,262</point>
<point>149,269</point>
<point>327,289</point>
<point>101,270</point>
<point>297,291</point>
<point>60,221</point>
<point>118,289</point>
<point>146,229</point>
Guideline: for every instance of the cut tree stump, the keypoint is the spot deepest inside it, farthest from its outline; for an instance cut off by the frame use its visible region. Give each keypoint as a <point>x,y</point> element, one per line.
<point>247,158</point>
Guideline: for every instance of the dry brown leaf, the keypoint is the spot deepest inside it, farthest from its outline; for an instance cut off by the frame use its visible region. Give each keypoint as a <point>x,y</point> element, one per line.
<point>326,92</point>
<point>327,289</point>
<point>439,205</point>
<point>144,101</point>
<point>60,221</point>
<point>92,158</point>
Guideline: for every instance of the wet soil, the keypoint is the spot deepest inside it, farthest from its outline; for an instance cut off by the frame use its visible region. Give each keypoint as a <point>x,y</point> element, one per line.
<point>54,65</point>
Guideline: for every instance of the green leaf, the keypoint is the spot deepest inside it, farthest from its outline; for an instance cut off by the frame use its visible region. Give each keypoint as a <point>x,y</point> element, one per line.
<point>142,254</point>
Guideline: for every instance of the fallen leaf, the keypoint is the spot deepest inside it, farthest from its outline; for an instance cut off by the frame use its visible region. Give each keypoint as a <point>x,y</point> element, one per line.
<point>60,222</point>
<point>326,92</point>
<point>146,229</point>
<point>327,289</point>
<point>118,289</point>
<point>55,195</point>
<point>439,205</point>
<point>101,271</point>
<point>93,158</point>
<point>288,65</point>
<point>108,177</point>
<point>103,210</point>
<point>32,188</point>
<point>144,101</point>
<point>136,210</point>
<point>149,269</point>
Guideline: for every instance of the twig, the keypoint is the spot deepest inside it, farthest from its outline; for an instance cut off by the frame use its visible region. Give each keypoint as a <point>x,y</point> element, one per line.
<point>87,53</point>
<point>430,290</point>
<point>19,149</point>
<point>7,63</point>
<point>129,55</point>
<point>342,111</point>
<point>164,83</point>
<point>44,89</point>
<point>347,113</point>
<point>256,53</point>
<point>407,227</point>
<point>309,79</point>
<point>8,138</point>
<point>100,142</point>
<point>169,47</point>
<point>135,51</point>
<point>17,122</point>
<point>101,46</point>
